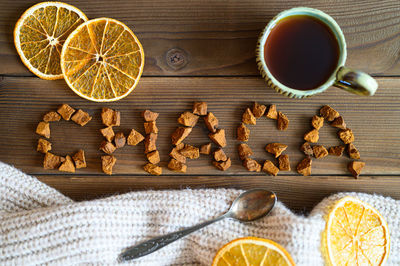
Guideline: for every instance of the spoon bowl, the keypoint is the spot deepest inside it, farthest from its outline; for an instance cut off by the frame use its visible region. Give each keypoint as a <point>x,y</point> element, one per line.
<point>252,205</point>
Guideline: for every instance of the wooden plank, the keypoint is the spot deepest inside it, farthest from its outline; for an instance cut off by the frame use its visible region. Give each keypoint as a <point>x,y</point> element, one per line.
<point>300,195</point>
<point>374,120</point>
<point>219,37</point>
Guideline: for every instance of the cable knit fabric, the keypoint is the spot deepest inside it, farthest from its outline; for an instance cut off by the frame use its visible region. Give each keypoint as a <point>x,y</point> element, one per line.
<point>40,226</point>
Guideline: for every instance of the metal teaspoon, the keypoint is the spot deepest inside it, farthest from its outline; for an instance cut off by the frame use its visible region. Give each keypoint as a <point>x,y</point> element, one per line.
<point>249,206</point>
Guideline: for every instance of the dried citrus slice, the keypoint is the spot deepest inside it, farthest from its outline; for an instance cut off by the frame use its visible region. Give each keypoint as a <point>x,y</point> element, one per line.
<point>102,60</point>
<point>252,251</point>
<point>355,234</point>
<point>40,33</point>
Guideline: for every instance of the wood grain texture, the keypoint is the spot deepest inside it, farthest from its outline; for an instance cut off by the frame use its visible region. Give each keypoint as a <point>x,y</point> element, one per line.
<point>374,120</point>
<point>210,38</point>
<point>297,193</point>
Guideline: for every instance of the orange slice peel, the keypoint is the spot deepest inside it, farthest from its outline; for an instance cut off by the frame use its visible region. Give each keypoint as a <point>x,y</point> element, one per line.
<point>102,60</point>
<point>252,251</point>
<point>39,35</point>
<point>355,234</point>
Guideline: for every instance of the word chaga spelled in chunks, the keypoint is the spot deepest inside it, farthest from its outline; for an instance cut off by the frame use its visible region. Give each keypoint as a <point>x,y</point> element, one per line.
<point>107,163</point>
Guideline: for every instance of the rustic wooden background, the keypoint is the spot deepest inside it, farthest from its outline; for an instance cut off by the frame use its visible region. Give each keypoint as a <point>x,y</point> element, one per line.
<point>204,50</point>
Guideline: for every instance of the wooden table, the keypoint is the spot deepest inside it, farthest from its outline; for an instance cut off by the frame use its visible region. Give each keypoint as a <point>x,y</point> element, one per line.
<point>204,50</point>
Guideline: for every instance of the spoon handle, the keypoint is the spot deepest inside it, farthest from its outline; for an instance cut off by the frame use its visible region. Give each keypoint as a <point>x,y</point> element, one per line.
<point>156,243</point>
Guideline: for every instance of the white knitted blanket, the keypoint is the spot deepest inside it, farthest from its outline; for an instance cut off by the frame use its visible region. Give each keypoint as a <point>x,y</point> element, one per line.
<point>40,226</point>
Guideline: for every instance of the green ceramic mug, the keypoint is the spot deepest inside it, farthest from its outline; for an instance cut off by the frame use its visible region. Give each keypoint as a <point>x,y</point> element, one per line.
<point>343,77</point>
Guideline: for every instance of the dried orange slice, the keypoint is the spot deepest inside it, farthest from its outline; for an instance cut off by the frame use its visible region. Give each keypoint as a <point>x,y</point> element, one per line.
<point>102,60</point>
<point>355,234</point>
<point>40,33</point>
<point>252,251</point>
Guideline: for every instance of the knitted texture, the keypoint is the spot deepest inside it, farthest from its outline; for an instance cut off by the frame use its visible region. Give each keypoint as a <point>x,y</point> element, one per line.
<point>40,226</point>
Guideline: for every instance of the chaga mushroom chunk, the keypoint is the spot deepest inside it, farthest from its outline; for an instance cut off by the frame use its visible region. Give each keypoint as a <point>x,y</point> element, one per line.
<point>211,122</point>
<point>180,134</point>
<point>304,167</point>
<point>66,111</point>
<point>107,163</point>
<point>81,117</point>
<point>149,116</point>
<point>270,168</point>
<point>200,108</point>
<point>188,119</point>
<point>243,133</point>
<point>218,137</point>
<point>134,138</point>
<point>152,169</point>
<point>110,117</point>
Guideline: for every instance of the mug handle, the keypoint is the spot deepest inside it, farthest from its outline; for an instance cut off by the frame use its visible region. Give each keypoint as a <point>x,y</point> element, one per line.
<point>355,81</point>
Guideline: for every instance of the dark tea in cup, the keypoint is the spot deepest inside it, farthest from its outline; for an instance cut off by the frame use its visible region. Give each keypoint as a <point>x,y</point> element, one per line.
<point>301,52</point>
